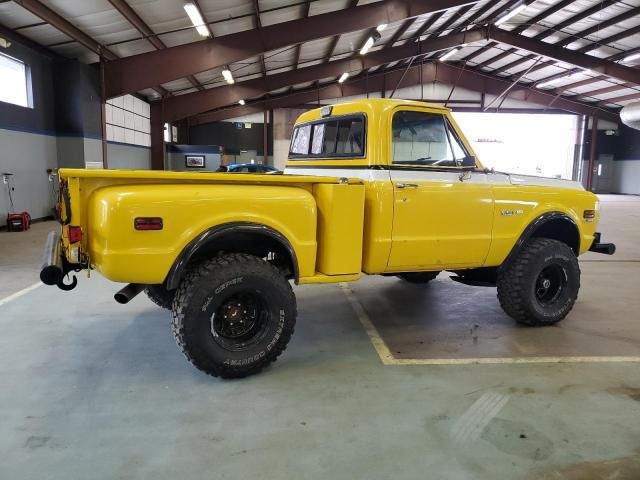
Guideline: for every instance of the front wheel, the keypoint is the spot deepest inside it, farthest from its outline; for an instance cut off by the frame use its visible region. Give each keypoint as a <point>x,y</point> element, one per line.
<point>540,285</point>
<point>233,315</point>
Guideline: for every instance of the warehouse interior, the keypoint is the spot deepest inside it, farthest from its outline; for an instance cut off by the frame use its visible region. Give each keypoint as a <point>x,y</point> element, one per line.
<point>382,378</point>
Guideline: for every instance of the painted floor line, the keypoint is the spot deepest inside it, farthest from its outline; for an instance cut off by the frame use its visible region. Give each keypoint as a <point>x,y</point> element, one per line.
<point>22,292</point>
<point>376,340</point>
<point>387,358</point>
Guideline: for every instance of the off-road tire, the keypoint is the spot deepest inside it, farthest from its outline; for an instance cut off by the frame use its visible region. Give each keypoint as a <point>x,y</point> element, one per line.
<point>160,295</point>
<point>519,287</point>
<point>418,278</point>
<point>202,301</point>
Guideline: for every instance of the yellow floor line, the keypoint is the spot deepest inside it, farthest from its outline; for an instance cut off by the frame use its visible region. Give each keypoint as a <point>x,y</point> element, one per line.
<point>378,343</point>
<point>387,358</point>
<point>22,292</point>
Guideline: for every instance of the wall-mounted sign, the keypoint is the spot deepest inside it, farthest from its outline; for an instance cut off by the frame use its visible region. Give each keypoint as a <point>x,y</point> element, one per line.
<point>194,161</point>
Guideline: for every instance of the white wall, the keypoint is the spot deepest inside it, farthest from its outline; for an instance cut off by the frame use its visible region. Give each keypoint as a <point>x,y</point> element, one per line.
<point>128,157</point>
<point>626,177</point>
<point>27,156</point>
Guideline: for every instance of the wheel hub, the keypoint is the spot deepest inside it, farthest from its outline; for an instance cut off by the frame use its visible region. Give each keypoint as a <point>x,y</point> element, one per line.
<point>239,320</point>
<point>550,284</point>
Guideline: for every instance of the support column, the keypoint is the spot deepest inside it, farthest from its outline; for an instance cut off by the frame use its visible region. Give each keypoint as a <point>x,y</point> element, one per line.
<point>265,136</point>
<point>157,137</point>
<point>592,151</point>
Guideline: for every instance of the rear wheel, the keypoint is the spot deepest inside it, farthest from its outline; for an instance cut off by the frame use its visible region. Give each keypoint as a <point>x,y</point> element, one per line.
<point>540,285</point>
<point>418,277</point>
<point>233,315</point>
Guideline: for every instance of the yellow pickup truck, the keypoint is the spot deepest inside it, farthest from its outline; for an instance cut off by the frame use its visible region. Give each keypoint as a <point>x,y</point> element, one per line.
<point>377,186</point>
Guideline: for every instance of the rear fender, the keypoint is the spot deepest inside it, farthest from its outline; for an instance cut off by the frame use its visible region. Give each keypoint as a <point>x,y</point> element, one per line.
<point>222,234</point>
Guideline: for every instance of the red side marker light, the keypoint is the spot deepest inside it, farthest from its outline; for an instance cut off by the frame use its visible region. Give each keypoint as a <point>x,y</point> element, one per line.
<point>74,234</point>
<point>148,223</point>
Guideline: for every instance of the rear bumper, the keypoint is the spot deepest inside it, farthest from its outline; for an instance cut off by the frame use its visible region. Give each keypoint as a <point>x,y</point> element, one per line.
<point>598,247</point>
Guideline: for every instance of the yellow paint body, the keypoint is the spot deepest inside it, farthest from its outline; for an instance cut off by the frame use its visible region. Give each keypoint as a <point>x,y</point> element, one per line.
<point>337,227</point>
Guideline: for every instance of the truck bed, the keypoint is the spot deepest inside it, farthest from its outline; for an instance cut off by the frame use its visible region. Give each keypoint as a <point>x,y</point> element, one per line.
<point>320,217</point>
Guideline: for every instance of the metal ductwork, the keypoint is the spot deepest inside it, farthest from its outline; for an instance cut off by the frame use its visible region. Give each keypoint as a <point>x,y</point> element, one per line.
<point>630,115</point>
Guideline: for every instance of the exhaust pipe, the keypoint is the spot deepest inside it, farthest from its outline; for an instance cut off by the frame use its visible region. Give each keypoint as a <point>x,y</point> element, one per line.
<point>52,270</point>
<point>129,292</point>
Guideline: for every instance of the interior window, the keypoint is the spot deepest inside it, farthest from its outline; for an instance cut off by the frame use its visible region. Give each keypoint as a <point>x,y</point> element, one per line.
<point>421,138</point>
<point>330,132</point>
<point>14,84</point>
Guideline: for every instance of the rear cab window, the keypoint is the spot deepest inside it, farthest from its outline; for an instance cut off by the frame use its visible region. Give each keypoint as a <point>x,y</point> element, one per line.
<point>334,137</point>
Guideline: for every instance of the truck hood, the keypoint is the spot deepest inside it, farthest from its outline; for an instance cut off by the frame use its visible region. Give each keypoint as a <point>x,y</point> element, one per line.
<point>516,179</point>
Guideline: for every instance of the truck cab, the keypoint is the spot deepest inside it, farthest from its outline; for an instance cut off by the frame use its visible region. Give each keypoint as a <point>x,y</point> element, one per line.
<point>430,204</point>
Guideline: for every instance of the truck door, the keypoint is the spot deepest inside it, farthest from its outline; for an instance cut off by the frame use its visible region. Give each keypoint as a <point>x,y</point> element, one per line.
<point>443,208</point>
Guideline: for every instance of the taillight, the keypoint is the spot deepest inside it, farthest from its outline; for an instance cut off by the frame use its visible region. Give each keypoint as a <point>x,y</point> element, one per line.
<point>589,215</point>
<point>74,234</point>
<point>148,223</point>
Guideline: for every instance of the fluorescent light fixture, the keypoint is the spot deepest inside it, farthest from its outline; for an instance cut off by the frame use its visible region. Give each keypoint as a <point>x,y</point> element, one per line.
<point>367,45</point>
<point>449,54</point>
<point>228,76</point>
<point>241,102</point>
<point>343,77</point>
<point>548,83</point>
<point>196,19</point>
<point>631,57</point>
<point>509,15</point>
<point>381,27</point>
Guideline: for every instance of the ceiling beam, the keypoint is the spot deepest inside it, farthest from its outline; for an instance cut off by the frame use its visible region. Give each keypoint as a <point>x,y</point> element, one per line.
<point>58,22</point>
<point>334,40</point>
<point>497,13</point>
<point>134,19</point>
<point>63,25</point>
<point>617,100</point>
<point>605,90</point>
<point>560,54</point>
<point>305,13</point>
<point>187,105</point>
<point>556,28</point>
<point>145,70</point>
<point>521,28</point>
<point>431,72</point>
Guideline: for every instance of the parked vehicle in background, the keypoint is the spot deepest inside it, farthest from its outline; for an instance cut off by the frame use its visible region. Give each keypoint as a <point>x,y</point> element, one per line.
<point>250,168</point>
<point>375,186</point>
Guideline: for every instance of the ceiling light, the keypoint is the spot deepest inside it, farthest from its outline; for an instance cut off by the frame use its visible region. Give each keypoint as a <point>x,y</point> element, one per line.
<point>343,77</point>
<point>381,27</point>
<point>631,57</point>
<point>241,102</point>
<point>510,14</point>
<point>196,19</point>
<point>367,45</point>
<point>548,83</point>
<point>228,76</point>
<point>449,54</point>
<point>4,43</point>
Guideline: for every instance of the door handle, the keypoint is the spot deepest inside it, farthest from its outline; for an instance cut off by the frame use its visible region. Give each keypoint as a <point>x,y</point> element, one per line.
<point>407,185</point>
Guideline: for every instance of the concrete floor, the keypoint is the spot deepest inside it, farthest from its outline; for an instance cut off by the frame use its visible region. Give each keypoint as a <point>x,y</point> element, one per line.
<point>92,389</point>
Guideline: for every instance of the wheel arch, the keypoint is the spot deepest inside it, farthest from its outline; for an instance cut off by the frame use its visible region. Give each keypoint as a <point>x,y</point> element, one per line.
<point>553,225</point>
<point>237,237</point>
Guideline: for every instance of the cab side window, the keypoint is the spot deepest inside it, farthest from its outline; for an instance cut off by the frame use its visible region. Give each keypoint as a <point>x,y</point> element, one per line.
<point>422,138</point>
